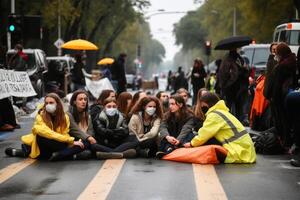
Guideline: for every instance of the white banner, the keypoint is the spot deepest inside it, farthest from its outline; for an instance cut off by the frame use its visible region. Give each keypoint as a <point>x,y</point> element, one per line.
<point>96,87</point>
<point>13,83</point>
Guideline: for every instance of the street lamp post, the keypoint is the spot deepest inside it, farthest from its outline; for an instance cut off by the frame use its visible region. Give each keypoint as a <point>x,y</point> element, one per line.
<point>59,27</point>
<point>234,22</point>
<point>215,12</point>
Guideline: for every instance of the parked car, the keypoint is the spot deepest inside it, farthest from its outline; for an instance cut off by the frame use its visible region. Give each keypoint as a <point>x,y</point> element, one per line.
<point>58,74</point>
<point>35,67</point>
<point>66,62</point>
<point>288,33</point>
<point>258,57</point>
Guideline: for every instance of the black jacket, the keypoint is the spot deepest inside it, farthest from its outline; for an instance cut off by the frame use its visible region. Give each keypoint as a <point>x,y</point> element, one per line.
<point>176,129</point>
<point>110,131</point>
<point>198,82</point>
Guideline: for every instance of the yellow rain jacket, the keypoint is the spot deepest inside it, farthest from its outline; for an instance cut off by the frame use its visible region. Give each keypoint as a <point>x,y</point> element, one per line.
<point>40,128</point>
<point>228,130</point>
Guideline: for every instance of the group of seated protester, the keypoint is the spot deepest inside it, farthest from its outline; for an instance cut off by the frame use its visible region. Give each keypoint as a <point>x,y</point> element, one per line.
<point>127,126</point>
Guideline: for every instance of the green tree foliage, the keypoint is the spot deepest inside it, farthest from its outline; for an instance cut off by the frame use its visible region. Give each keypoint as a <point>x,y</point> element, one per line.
<point>256,19</point>
<point>115,26</point>
<point>189,31</point>
<point>138,33</point>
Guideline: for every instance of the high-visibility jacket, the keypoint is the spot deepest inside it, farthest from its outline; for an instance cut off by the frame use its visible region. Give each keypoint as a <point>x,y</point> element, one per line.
<point>229,131</point>
<point>40,128</point>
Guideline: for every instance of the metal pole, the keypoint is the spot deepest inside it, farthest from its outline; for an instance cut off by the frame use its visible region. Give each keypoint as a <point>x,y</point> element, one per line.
<point>12,11</point>
<point>234,21</point>
<point>12,8</point>
<point>59,27</point>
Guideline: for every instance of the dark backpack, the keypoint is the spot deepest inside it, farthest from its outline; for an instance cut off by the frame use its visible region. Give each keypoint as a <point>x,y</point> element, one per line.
<point>268,143</point>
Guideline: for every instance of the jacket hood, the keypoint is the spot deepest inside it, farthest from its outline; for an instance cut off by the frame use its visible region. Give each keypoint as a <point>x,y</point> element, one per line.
<point>220,105</point>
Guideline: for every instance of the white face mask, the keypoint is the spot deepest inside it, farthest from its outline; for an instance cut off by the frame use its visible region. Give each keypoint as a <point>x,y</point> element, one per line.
<point>150,110</point>
<point>111,111</point>
<point>51,108</point>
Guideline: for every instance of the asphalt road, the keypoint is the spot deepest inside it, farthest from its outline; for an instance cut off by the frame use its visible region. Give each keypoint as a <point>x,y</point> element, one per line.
<point>270,178</point>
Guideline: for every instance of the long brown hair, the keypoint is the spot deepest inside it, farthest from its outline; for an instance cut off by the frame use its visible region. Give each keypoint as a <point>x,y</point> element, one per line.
<point>104,95</point>
<point>59,119</point>
<point>135,99</point>
<point>198,112</point>
<point>79,117</point>
<point>283,50</point>
<point>123,107</point>
<point>140,106</point>
<point>184,111</point>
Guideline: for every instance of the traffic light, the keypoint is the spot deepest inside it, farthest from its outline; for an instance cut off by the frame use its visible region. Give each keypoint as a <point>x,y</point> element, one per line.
<point>138,51</point>
<point>14,23</point>
<point>15,28</point>
<point>208,47</point>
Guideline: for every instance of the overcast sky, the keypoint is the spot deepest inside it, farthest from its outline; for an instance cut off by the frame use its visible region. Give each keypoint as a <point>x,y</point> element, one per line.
<point>162,25</point>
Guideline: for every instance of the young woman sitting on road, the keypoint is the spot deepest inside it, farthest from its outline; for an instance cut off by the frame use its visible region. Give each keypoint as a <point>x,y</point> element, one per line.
<point>98,105</point>
<point>50,137</point>
<point>81,126</point>
<point>144,123</point>
<point>111,133</point>
<point>226,129</point>
<point>177,126</point>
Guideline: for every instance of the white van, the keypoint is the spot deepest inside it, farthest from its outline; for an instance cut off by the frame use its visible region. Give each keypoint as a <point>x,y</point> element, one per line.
<point>257,55</point>
<point>288,33</point>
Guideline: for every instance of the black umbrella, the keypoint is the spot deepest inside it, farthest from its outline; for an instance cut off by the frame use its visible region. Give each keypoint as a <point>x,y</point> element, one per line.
<point>233,42</point>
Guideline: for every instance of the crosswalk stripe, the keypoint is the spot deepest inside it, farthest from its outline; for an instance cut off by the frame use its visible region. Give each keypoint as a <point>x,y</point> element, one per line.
<point>102,183</point>
<point>207,182</point>
<point>14,168</point>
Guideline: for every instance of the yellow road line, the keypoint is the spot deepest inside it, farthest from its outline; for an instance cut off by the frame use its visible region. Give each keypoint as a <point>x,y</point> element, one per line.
<point>14,168</point>
<point>102,183</point>
<point>208,185</point>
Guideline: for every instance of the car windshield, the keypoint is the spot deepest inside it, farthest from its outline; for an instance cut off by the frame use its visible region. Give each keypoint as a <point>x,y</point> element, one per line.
<point>261,56</point>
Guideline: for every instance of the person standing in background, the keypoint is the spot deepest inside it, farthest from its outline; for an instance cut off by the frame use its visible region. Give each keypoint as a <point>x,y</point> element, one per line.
<point>197,78</point>
<point>118,73</point>
<point>77,73</point>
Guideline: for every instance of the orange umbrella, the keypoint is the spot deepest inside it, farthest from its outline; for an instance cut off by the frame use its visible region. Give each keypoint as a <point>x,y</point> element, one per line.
<point>106,61</point>
<point>79,44</point>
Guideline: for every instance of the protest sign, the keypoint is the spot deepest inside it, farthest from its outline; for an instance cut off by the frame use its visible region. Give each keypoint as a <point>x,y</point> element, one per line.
<point>97,86</point>
<point>13,83</point>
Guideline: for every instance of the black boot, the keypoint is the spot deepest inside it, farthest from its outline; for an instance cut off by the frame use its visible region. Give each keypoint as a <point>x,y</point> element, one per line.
<point>130,153</point>
<point>144,153</point>
<point>12,152</point>
<point>56,156</point>
<point>84,155</point>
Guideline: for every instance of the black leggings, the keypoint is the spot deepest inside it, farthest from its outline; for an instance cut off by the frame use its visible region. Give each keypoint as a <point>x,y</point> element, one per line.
<point>48,146</point>
<point>149,144</point>
<point>129,143</point>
